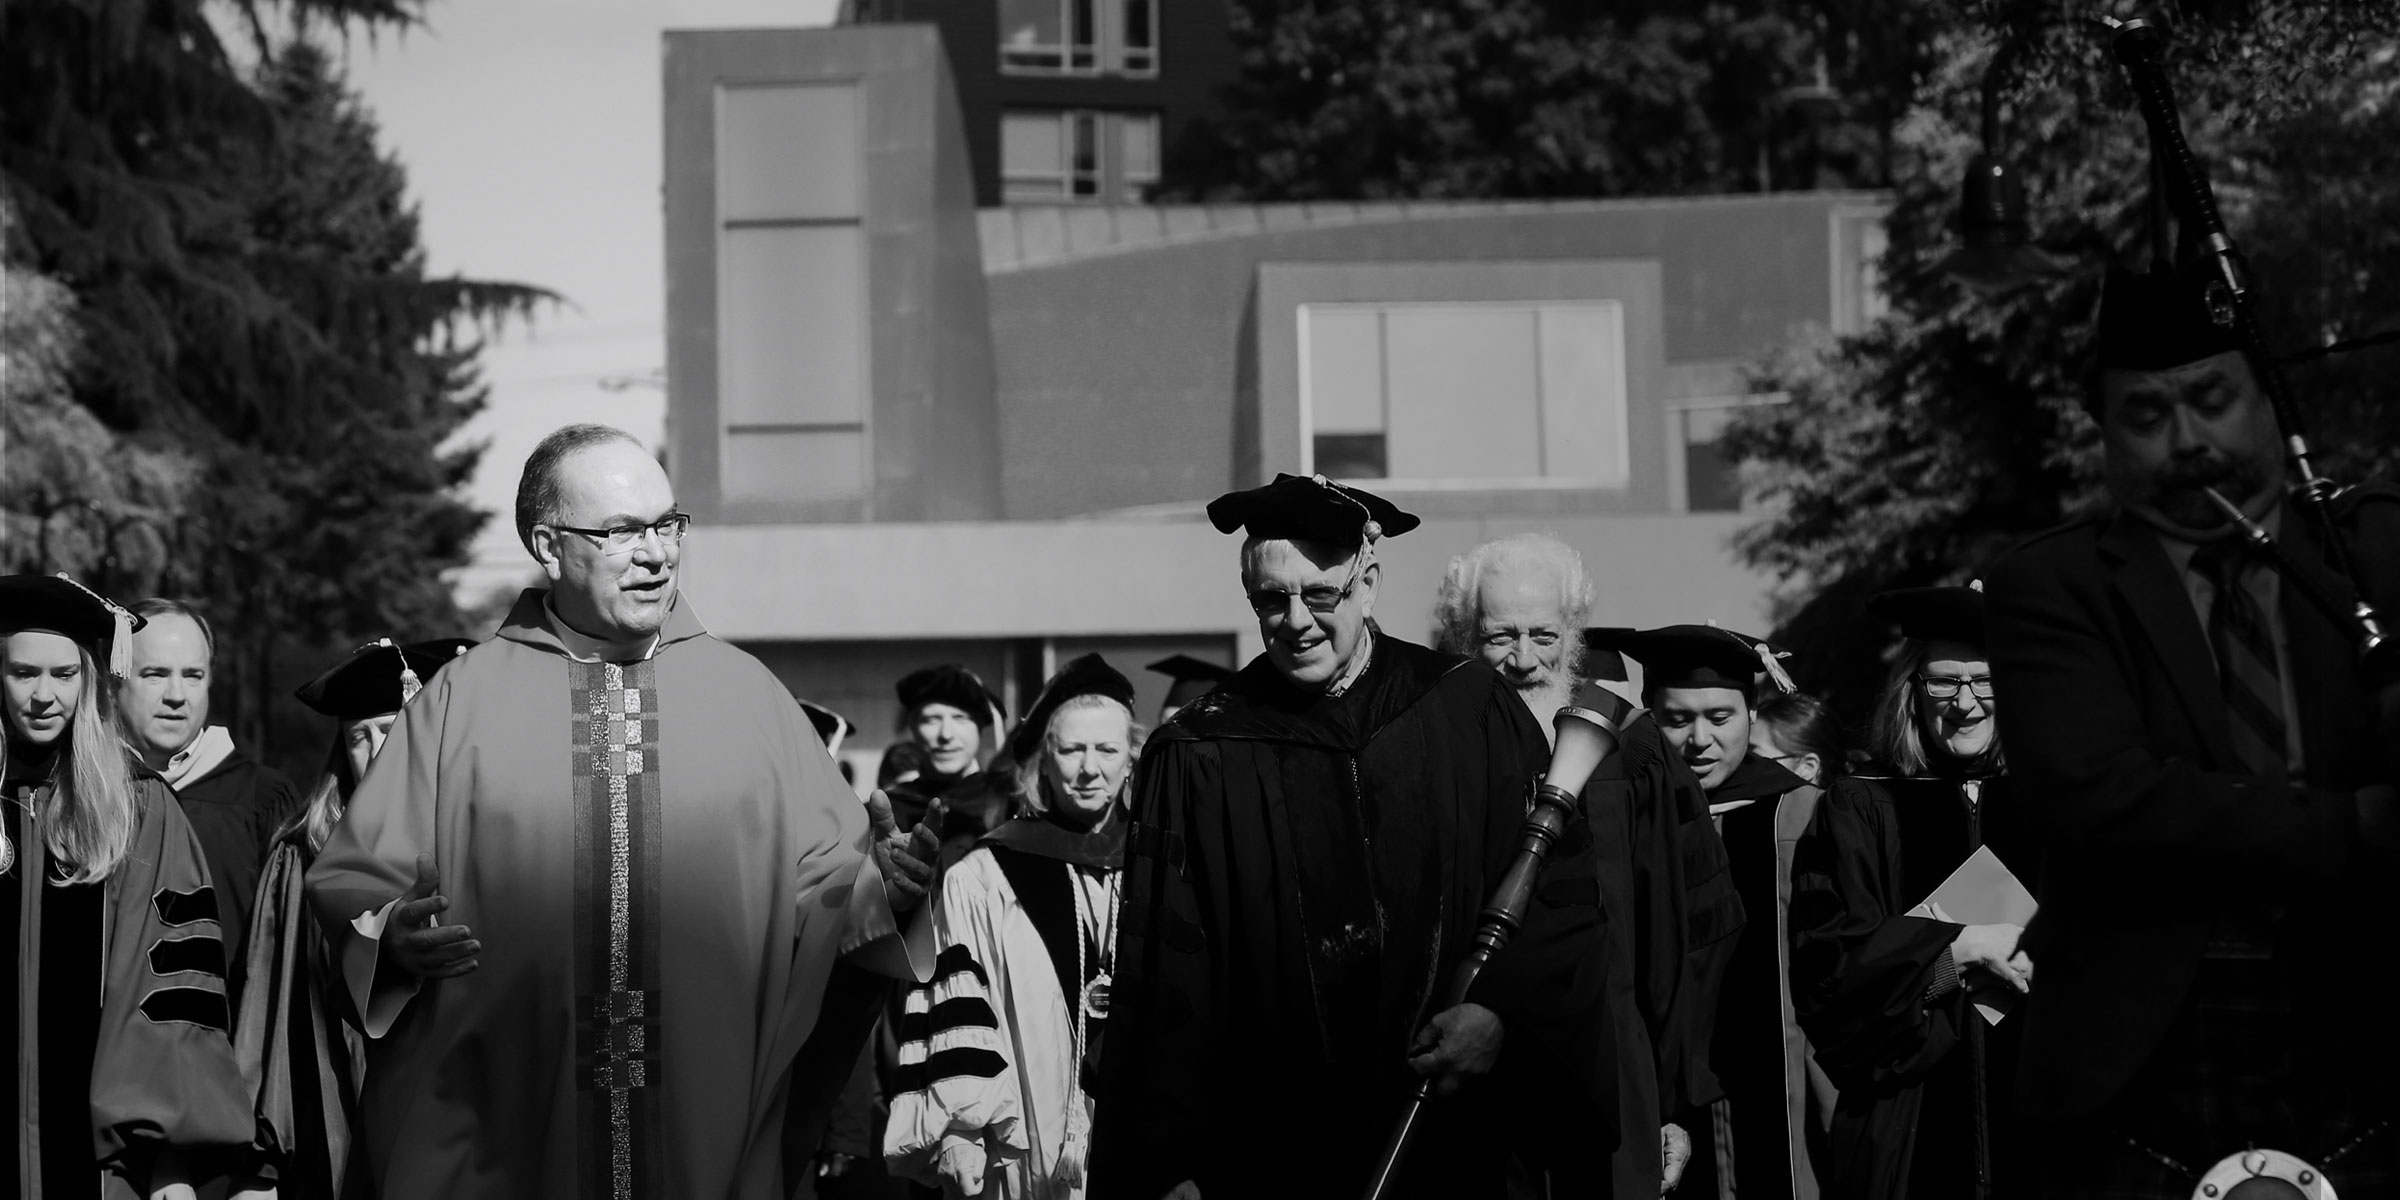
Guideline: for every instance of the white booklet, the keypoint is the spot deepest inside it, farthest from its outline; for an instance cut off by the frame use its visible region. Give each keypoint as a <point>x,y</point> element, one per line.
<point>1982,891</point>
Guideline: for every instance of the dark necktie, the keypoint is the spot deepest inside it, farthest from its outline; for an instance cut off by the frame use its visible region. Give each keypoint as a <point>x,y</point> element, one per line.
<point>2245,649</point>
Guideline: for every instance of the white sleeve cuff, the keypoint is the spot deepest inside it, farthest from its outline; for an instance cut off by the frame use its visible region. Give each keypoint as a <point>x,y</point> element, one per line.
<point>875,940</point>
<point>385,994</point>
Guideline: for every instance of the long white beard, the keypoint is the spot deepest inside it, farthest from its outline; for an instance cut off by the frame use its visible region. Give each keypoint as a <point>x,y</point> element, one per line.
<point>1547,697</point>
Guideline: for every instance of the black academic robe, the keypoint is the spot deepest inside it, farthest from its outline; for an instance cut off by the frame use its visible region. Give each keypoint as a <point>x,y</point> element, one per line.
<point>1924,1081</point>
<point>1303,876</point>
<point>235,810</point>
<point>118,1007</point>
<point>1751,1047</point>
<point>295,1036</point>
<point>1675,920</point>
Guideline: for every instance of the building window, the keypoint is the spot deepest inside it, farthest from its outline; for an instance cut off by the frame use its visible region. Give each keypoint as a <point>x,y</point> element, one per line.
<point>1711,480</point>
<point>1078,155</point>
<point>1079,37</point>
<point>1137,154</point>
<point>792,344</point>
<point>1858,244</point>
<point>1502,393</point>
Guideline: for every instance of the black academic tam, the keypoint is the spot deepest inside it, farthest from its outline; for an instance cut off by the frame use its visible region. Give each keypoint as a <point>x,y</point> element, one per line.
<point>378,677</point>
<point>1310,508</point>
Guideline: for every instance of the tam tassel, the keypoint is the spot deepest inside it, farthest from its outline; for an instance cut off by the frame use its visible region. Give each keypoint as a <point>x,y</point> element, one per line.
<point>1774,669</point>
<point>120,643</point>
<point>410,685</point>
<point>120,633</point>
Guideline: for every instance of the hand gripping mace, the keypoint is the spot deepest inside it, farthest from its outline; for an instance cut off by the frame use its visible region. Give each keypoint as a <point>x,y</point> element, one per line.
<point>1586,734</point>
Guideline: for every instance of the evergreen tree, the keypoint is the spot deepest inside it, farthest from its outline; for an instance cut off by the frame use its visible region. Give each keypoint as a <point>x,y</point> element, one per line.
<point>250,292</point>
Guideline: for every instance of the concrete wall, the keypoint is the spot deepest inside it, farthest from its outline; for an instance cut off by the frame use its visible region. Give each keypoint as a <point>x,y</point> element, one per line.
<point>1173,575</point>
<point>1123,372</point>
<point>930,421</point>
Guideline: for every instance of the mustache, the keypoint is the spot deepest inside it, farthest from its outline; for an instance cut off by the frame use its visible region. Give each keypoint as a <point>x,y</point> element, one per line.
<point>2193,474</point>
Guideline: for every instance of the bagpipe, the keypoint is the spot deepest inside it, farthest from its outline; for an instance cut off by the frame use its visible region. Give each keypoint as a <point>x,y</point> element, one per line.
<point>2140,49</point>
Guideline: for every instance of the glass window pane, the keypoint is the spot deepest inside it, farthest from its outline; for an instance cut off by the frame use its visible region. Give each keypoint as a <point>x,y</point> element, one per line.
<point>1080,33</point>
<point>792,335</point>
<point>1711,482</point>
<point>1463,392</point>
<point>786,152</point>
<point>1031,144</point>
<point>1345,368</point>
<point>1085,147</point>
<point>795,465</point>
<point>1583,393</point>
<point>1348,455</point>
<point>1137,137</point>
<point>1140,24</point>
<point>1026,24</point>
<point>1087,143</point>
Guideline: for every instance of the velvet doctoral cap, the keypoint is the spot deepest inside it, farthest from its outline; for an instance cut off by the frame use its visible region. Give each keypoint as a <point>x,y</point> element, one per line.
<point>831,726</point>
<point>1193,677</point>
<point>1951,614</point>
<point>378,677</point>
<point>1602,662</point>
<point>57,604</point>
<point>1309,508</point>
<point>1089,675</point>
<point>2155,320</point>
<point>1695,656</point>
<point>949,684</point>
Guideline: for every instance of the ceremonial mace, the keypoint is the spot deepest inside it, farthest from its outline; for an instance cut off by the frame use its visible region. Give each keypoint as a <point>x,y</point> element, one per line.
<point>1585,734</point>
<point>2139,47</point>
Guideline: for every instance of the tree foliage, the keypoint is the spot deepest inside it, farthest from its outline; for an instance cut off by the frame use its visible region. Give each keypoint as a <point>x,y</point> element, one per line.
<point>1920,449</point>
<point>250,315</point>
<point>1411,99</point>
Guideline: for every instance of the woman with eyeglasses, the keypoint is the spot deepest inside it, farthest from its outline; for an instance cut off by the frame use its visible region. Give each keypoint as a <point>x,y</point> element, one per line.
<point>1891,991</point>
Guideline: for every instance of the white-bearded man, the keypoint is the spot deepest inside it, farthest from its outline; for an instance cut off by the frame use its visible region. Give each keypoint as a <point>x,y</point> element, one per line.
<point>1520,604</point>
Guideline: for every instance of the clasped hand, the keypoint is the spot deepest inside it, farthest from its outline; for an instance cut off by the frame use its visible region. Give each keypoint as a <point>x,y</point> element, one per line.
<point>414,943</point>
<point>905,859</point>
<point>1993,948</point>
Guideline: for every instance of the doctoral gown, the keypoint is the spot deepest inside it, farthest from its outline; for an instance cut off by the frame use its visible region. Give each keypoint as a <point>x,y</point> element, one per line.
<point>1304,874</point>
<point>1924,1081</point>
<point>118,1007</point>
<point>662,865</point>
<point>994,1088</point>
<point>1755,1143</point>
<point>296,1038</point>
<point>1675,920</point>
<point>235,809</point>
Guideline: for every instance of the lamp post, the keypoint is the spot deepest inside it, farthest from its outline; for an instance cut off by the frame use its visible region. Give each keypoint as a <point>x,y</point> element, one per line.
<point>1996,250</point>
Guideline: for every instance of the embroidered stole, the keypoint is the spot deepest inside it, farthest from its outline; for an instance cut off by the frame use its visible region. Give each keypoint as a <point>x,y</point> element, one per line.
<point>617,844</point>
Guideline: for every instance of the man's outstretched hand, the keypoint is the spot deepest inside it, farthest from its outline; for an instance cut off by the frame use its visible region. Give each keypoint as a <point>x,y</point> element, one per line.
<point>415,943</point>
<point>1458,1044</point>
<point>906,859</point>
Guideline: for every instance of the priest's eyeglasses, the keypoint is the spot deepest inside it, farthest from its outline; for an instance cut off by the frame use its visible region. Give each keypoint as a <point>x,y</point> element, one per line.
<point>622,539</point>
<point>1945,687</point>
